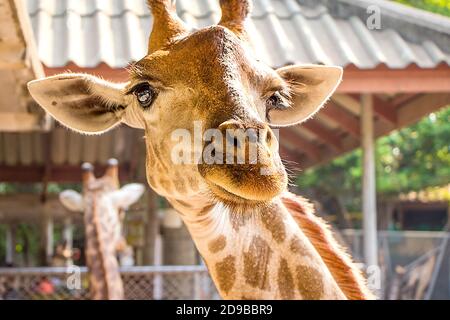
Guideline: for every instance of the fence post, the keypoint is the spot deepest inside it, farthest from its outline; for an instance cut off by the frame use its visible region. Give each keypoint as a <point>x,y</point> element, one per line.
<point>157,278</point>
<point>10,233</point>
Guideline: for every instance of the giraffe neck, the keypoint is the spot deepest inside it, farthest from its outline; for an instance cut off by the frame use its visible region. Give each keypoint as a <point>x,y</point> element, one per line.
<point>104,274</point>
<point>257,253</point>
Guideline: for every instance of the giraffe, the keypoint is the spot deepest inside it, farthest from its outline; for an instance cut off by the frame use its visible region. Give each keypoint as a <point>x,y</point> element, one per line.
<point>103,205</point>
<point>258,240</point>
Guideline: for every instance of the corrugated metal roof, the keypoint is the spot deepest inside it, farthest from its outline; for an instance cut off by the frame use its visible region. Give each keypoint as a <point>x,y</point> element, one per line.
<point>68,147</point>
<point>115,32</point>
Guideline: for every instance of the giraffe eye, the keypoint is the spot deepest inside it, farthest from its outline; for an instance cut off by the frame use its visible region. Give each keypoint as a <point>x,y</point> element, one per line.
<point>145,95</point>
<point>277,101</point>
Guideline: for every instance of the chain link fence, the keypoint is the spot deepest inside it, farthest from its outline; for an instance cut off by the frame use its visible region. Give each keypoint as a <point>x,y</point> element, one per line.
<point>140,283</point>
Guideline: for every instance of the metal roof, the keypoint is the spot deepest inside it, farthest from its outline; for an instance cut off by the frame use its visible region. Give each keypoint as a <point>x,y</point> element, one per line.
<point>115,32</point>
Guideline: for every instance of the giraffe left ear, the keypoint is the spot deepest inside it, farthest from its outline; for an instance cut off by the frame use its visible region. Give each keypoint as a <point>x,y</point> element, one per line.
<point>82,102</point>
<point>72,200</point>
<point>311,86</point>
<point>127,195</point>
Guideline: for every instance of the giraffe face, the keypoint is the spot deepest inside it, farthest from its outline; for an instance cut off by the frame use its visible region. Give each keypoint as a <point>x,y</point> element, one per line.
<point>207,106</point>
<point>213,109</point>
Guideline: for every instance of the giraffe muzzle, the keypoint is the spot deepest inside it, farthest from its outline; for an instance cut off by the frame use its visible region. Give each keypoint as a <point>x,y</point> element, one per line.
<point>244,163</point>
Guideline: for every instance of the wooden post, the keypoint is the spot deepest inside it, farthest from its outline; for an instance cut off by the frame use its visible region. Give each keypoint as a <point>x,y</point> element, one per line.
<point>369,183</point>
<point>49,239</point>
<point>46,245</point>
<point>68,238</point>
<point>178,249</point>
<point>151,227</point>
<point>9,245</point>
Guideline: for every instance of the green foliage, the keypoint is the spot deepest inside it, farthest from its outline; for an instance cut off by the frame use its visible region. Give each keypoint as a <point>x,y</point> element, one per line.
<point>416,157</point>
<point>436,6</point>
<point>411,159</point>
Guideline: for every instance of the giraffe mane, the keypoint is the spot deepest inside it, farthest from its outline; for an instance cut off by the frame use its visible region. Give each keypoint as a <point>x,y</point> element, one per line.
<point>349,278</point>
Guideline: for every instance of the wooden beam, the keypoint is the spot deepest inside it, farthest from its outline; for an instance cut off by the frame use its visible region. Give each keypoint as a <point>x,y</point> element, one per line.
<point>385,110</point>
<point>379,80</point>
<point>28,208</point>
<point>27,35</point>
<point>60,173</point>
<point>296,140</point>
<point>418,108</point>
<point>408,113</point>
<point>412,79</point>
<point>324,134</point>
<point>347,121</point>
<point>347,102</point>
<point>403,98</point>
<point>18,121</point>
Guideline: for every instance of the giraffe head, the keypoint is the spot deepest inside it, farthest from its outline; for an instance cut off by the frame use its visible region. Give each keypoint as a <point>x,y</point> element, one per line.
<point>110,202</point>
<point>199,95</point>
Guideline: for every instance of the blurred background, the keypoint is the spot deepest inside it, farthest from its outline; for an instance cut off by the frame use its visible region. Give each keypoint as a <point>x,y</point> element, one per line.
<point>375,161</point>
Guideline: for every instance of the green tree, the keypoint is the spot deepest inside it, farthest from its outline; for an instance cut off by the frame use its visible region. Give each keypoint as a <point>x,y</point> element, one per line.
<point>410,159</point>
<point>436,6</point>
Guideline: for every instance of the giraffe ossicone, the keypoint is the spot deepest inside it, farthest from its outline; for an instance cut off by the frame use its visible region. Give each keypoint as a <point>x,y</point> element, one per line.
<point>258,240</point>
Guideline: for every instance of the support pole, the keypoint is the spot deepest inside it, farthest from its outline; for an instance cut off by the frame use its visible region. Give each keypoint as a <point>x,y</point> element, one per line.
<point>369,183</point>
<point>46,245</point>
<point>68,238</point>
<point>49,240</point>
<point>151,227</point>
<point>9,245</point>
<point>178,249</point>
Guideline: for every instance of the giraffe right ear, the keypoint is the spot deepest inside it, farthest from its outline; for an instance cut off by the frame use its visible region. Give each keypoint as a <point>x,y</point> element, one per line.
<point>82,102</point>
<point>127,195</point>
<point>72,200</point>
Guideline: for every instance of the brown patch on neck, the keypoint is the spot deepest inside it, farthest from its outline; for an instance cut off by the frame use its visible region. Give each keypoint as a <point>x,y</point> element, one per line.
<point>309,283</point>
<point>180,185</point>
<point>226,273</point>
<point>273,221</point>
<point>285,281</point>
<point>256,263</point>
<point>298,247</point>
<point>217,244</point>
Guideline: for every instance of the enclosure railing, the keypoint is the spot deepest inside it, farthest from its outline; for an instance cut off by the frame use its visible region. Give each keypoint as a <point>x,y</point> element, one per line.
<point>416,261</point>
<point>72,283</point>
<point>424,258</point>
